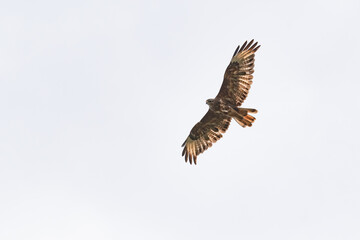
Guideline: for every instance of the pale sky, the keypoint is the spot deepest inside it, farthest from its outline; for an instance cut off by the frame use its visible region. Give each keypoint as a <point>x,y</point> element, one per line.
<point>97,97</point>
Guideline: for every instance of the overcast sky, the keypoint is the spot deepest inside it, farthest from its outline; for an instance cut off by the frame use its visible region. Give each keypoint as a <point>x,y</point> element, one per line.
<point>97,97</point>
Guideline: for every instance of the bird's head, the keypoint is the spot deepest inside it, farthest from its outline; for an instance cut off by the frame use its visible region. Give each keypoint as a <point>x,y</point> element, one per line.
<point>210,101</point>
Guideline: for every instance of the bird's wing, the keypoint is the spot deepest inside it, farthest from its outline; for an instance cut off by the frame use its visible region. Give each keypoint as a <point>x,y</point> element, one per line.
<point>238,75</point>
<point>204,134</point>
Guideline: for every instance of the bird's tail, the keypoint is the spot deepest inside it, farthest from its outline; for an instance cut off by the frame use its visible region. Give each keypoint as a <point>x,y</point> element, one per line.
<point>242,116</point>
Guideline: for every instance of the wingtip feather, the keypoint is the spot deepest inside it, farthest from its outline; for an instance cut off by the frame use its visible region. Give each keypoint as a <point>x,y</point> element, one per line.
<point>253,46</point>
<point>184,143</point>
<point>247,46</point>
<point>236,50</point>
<point>243,46</point>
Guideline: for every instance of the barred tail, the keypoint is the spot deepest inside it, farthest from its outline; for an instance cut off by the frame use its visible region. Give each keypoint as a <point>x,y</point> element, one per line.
<point>243,117</point>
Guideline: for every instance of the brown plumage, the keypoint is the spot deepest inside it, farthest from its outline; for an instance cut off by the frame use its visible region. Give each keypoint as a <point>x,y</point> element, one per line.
<point>226,105</point>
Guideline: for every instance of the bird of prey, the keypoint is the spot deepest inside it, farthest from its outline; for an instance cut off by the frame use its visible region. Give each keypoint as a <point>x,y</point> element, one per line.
<point>226,105</point>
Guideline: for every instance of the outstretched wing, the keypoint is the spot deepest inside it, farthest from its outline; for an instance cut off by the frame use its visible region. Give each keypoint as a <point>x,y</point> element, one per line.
<point>204,134</point>
<point>238,75</point>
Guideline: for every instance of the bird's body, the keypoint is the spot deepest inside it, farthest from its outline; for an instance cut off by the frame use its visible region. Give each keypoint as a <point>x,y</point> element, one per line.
<point>218,106</point>
<point>226,105</point>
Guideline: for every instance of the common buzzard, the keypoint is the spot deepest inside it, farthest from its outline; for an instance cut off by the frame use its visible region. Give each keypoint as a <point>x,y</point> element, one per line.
<point>226,105</point>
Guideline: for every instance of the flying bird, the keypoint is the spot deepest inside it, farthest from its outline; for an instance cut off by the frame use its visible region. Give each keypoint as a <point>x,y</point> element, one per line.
<point>226,105</point>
